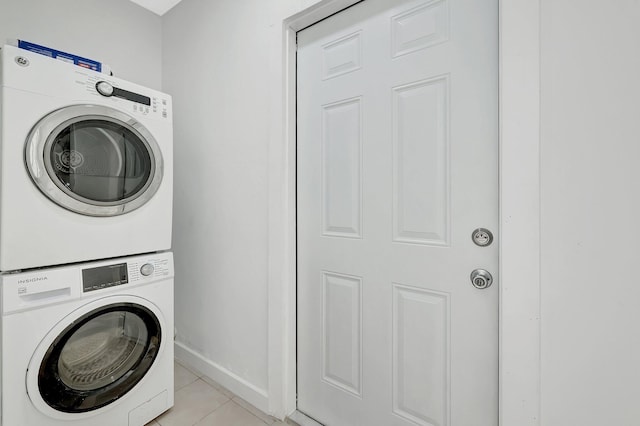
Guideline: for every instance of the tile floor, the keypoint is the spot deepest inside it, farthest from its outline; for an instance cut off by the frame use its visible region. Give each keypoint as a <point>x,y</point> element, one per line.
<point>199,401</point>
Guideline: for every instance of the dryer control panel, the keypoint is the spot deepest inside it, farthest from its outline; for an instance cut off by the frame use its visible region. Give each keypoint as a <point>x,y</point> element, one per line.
<point>39,74</point>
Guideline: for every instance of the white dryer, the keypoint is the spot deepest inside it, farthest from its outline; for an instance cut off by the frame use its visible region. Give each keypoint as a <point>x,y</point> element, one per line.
<point>88,344</point>
<point>85,167</point>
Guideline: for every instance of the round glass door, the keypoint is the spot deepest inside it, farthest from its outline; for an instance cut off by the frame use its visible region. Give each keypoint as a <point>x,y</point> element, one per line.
<point>98,161</point>
<point>94,160</point>
<point>99,357</point>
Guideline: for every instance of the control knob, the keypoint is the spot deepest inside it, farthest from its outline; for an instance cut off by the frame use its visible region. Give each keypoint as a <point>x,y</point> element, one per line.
<point>104,88</point>
<point>146,269</point>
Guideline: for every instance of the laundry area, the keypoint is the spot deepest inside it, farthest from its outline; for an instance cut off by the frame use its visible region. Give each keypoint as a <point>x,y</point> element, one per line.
<point>87,275</point>
<point>319,212</point>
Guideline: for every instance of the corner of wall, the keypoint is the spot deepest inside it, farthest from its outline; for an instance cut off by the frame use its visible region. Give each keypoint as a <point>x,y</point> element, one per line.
<point>224,377</point>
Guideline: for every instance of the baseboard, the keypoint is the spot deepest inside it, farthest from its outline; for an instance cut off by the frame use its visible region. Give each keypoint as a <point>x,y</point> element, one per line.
<point>236,384</point>
<point>302,419</point>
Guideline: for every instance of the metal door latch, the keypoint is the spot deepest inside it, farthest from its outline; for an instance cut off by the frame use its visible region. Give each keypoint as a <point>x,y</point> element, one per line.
<point>481,279</point>
<point>482,237</point>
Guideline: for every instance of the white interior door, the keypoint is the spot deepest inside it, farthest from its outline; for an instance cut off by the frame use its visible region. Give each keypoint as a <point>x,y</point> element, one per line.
<point>397,166</point>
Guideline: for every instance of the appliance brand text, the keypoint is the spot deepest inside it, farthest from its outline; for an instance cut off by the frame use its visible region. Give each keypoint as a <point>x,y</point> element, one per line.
<point>32,280</point>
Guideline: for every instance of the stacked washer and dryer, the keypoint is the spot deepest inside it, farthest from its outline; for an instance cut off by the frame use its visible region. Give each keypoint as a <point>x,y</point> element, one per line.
<point>85,222</point>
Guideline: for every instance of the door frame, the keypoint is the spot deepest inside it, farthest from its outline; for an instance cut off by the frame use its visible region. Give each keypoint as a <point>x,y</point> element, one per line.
<point>519,234</point>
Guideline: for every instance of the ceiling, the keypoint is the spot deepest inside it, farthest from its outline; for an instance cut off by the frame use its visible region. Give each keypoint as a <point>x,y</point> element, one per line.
<point>159,7</point>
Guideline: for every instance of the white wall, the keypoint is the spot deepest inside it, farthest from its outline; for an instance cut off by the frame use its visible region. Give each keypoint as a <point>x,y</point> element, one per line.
<point>222,64</point>
<point>590,196</point>
<point>116,32</point>
<point>215,56</point>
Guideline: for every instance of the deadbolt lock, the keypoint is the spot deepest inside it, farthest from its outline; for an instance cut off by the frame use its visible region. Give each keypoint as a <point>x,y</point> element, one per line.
<point>482,237</point>
<point>481,279</point>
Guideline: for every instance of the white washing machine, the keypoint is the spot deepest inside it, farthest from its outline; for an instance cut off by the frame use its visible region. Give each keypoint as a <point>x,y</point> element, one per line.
<point>85,167</point>
<point>88,344</point>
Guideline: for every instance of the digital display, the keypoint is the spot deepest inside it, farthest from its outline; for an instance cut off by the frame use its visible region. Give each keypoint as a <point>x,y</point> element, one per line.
<point>104,277</point>
<point>134,97</point>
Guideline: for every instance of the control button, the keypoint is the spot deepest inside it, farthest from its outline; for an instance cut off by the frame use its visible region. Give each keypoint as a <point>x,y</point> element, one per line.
<point>147,269</point>
<point>104,88</point>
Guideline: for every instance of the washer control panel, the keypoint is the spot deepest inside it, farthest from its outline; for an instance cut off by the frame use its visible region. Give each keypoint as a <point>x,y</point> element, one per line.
<point>35,288</point>
<point>104,277</point>
<point>116,274</point>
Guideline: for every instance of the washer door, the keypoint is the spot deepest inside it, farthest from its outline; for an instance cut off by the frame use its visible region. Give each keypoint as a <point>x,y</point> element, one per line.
<point>98,357</point>
<point>94,160</point>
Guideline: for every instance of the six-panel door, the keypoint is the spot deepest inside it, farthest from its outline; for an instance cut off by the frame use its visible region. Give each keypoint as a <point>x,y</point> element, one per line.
<point>397,166</point>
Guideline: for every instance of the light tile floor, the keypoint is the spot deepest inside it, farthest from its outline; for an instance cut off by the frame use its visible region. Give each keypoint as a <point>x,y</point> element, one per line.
<point>199,401</point>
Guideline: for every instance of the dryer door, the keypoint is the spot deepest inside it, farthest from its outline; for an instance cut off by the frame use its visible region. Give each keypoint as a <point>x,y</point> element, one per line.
<point>98,357</point>
<point>94,160</point>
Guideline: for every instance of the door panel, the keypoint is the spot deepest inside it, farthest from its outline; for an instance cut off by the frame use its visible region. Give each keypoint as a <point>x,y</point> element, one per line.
<point>397,165</point>
<point>341,171</point>
<point>421,332</point>
<point>421,162</point>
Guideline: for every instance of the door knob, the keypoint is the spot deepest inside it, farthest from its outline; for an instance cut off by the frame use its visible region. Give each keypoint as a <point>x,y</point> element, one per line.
<point>481,279</point>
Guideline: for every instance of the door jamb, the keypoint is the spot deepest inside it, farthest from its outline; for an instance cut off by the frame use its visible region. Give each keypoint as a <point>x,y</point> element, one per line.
<point>519,236</point>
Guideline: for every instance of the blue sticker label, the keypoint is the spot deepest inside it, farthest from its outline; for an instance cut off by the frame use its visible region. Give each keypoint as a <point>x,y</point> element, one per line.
<point>62,56</point>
